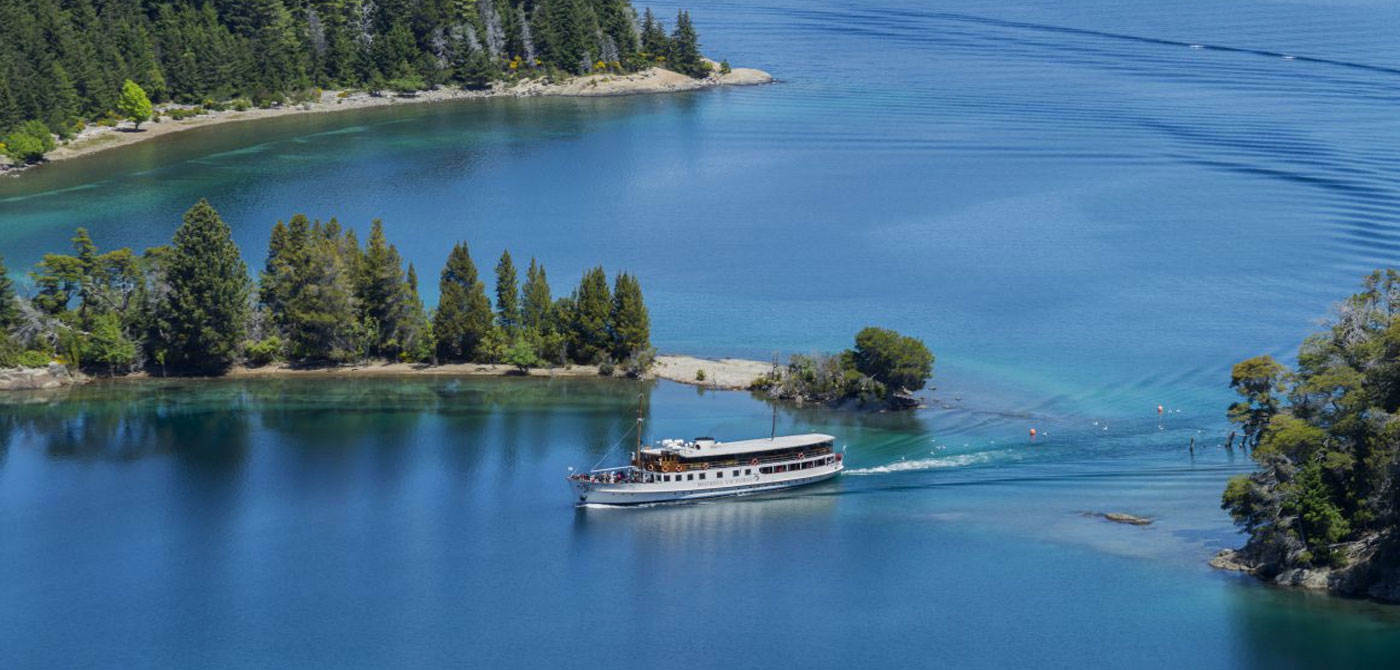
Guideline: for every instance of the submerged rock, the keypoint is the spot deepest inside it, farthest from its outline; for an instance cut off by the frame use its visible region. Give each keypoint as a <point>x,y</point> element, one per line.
<point>1120,517</point>
<point>35,379</point>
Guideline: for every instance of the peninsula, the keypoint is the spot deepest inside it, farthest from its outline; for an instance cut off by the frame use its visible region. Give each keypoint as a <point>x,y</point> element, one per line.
<point>193,64</point>
<point>324,303</point>
<point>1321,512</point>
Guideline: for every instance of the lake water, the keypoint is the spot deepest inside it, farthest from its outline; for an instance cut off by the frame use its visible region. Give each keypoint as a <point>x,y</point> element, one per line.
<point>1087,209</point>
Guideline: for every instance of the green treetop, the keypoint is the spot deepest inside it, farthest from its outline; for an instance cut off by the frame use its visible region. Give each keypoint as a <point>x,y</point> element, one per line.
<point>463,318</point>
<point>590,336</point>
<point>535,312</point>
<point>1260,383</point>
<point>9,305</point>
<point>134,105</point>
<point>383,296</point>
<point>630,322</point>
<point>897,361</point>
<point>685,49</point>
<point>507,295</point>
<point>202,320</point>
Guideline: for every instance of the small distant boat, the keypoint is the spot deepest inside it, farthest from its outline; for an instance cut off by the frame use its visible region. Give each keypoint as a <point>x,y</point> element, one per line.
<point>1198,46</point>
<point>680,470</point>
<point>1288,58</point>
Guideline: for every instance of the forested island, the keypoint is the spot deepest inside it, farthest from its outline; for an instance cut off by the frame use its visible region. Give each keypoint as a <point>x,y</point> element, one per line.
<point>65,65</point>
<point>1323,509</point>
<point>322,299</point>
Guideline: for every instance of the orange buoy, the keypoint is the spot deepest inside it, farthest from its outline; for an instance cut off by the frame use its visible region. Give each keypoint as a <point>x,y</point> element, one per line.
<point>1159,409</point>
<point>1032,433</point>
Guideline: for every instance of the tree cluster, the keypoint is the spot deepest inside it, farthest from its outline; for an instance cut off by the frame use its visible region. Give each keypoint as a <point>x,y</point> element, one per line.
<point>1326,436</point>
<point>322,298</point>
<point>67,62</point>
<point>883,367</point>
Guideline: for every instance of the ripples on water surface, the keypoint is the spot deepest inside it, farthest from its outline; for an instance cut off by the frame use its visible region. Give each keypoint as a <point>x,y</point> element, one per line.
<point>1088,209</point>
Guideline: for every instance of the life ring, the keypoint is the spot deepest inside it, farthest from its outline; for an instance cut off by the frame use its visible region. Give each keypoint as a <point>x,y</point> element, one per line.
<point>753,462</point>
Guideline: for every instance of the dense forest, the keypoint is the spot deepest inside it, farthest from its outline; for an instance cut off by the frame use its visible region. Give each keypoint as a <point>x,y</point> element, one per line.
<point>63,63</point>
<point>1324,506</point>
<point>322,298</point>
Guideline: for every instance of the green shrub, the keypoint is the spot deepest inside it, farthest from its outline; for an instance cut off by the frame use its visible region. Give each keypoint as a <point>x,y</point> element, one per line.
<point>700,375</point>
<point>724,67</point>
<point>240,104</point>
<point>29,142</point>
<point>33,359</point>
<point>264,351</point>
<point>606,368</point>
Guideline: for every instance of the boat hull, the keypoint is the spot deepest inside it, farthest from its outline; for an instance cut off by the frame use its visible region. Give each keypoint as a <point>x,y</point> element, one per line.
<point>622,494</point>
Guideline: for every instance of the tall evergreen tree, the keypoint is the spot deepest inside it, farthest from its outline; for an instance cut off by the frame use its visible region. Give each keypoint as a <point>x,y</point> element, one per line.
<point>382,293</point>
<point>463,318</point>
<point>9,303</point>
<point>631,324</point>
<point>684,55</point>
<point>535,312</point>
<point>202,321</point>
<point>321,322</point>
<point>507,295</point>
<point>590,334</point>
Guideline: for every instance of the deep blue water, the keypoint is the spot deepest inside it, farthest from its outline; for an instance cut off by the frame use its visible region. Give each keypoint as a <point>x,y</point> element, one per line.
<point>1087,209</point>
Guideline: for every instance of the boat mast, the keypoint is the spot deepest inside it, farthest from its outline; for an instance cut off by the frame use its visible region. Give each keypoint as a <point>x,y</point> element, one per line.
<point>637,459</point>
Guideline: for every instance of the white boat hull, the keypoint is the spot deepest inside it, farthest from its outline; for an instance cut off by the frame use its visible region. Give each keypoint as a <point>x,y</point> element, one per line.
<point>642,493</point>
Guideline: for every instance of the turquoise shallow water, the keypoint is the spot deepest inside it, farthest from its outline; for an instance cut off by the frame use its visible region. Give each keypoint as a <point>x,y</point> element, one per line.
<point>1082,214</point>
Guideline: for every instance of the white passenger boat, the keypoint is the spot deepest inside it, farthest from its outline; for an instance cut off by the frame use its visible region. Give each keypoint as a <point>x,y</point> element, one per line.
<point>679,470</point>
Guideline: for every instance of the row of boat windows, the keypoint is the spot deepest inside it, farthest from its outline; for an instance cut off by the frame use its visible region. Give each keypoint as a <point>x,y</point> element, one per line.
<point>767,470</point>
<point>691,477</point>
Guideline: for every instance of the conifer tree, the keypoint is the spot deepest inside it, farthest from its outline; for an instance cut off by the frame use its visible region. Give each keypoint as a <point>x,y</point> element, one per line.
<point>463,318</point>
<point>382,293</point>
<point>202,319</point>
<point>684,54</point>
<point>631,324</point>
<point>590,336</point>
<point>321,323</point>
<point>9,303</point>
<point>535,312</point>
<point>507,295</point>
<point>655,43</point>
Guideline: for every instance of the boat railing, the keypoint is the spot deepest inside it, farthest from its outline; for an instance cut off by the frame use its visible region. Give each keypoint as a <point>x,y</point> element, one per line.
<point>677,466</point>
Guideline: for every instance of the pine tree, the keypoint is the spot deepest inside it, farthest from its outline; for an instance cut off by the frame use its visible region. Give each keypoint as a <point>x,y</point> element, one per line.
<point>507,295</point>
<point>274,282</point>
<point>9,303</point>
<point>382,293</point>
<point>463,317</point>
<point>321,323</point>
<point>655,43</point>
<point>590,337</point>
<point>684,55</point>
<point>201,322</point>
<point>535,312</point>
<point>631,324</point>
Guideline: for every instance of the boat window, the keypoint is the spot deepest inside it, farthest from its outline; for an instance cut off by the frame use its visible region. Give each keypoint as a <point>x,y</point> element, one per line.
<point>702,475</point>
<point>719,475</point>
<point>748,471</point>
<point>690,478</point>
<point>735,473</point>
<point>667,477</point>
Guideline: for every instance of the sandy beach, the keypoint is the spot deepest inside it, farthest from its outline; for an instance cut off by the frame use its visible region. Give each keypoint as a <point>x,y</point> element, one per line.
<point>724,373</point>
<point>654,80</point>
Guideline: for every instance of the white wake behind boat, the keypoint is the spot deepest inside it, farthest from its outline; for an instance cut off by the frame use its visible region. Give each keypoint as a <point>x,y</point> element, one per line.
<point>679,470</point>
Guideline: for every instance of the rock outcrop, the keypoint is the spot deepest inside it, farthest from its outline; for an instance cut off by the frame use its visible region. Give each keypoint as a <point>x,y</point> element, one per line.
<point>34,379</point>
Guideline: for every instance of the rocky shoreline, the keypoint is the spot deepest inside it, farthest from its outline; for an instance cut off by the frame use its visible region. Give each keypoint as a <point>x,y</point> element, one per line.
<point>1370,571</point>
<point>55,376</point>
<point>653,80</point>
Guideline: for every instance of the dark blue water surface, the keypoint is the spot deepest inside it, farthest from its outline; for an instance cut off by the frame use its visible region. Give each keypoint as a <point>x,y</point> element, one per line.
<point>1087,209</point>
